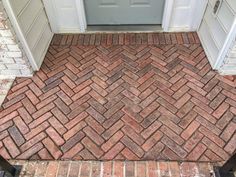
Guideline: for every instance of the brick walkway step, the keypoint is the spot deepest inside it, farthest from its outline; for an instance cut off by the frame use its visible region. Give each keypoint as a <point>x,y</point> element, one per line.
<point>113,169</point>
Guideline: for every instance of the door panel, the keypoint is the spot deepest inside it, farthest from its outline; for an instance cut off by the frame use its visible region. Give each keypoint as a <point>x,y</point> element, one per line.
<point>124,12</point>
<point>107,3</point>
<point>35,27</point>
<point>139,3</point>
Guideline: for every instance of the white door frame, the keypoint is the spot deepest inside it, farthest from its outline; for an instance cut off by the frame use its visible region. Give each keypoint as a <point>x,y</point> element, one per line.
<point>165,21</point>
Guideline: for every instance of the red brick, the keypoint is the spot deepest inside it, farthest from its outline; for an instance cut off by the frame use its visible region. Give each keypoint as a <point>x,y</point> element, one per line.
<point>229,131</point>
<point>188,169</point>
<point>57,125</point>
<point>11,147</point>
<point>152,168</point>
<point>174,147</point>
<point>151,129</point>
<point>112,141</point>
<point>17,93</point>
<point>68,82</point>
<point>164,169</point>
<point>129,169</point>
<point>132,134</point>
<point>25,115</point>
<point>52,169</point>
<point>132,123</point>
<point>59,115</point>
<point>55,136</point>
<point>63,168</point>
<point>107,169</point>
<point>132,146</point>
<point>72,152</point>
<point>8,117</point>
<point>150,142</point>
<point>112,130</point>
<point>40,120</point>
<point>175,137</point>
<point>56,153</point>
<point>33,141</point>
<point>95,150</point>
<point>74,130</point>
<point>197,152</point>
<point>95,125</point>
<point>187,133</point>
<point>212,136</point>
<point>216,149</point>
<point>93,135</point>
<point>45,110</point>
<point>182,100</point>
<point>118,168</point>
<point>230,146</point>
<point>16,135</point>
<point>113,152</point>
<point>221,110</point>
<point>96,169</point>
<point>174,169</point>
<point>64,97</point>
<point>62,106</point>
<point>205,115</point>
<point>44,154</point>
<point>46,101</point>
<point>149,109</point>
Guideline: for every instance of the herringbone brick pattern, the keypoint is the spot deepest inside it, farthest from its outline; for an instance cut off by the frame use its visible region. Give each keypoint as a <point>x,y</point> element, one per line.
<point>121,96</point>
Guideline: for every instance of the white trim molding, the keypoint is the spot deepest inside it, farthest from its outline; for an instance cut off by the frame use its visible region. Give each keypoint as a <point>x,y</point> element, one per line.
<point>81,15</point>
<point>20,34</point>
<point>168,9</point>
<point>198,10</point>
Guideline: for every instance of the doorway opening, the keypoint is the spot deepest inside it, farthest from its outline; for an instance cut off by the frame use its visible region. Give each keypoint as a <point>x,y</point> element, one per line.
<point>159,23</point>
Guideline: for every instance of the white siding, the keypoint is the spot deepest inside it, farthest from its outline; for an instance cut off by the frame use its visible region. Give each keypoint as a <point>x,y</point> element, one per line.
<point>34,25</point>
<point>215,29</point>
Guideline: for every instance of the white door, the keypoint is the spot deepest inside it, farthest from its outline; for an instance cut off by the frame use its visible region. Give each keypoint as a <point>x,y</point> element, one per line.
<point>124,12</point>
<point>35,27</point>
<point>215,29</point>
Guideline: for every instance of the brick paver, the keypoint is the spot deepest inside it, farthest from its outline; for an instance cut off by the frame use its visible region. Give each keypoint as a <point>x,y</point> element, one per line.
<point>114,169</point>
<point>121,97</point>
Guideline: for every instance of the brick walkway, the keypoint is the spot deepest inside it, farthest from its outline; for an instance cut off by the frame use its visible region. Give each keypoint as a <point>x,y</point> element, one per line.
<point>114,169</point>
<point>116,96</point>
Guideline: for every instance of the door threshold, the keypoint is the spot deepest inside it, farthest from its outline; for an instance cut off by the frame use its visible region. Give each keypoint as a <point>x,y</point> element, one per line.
<point>124,28</point>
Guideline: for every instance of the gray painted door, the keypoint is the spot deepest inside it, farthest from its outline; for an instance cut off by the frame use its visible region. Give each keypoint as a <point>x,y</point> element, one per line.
<point>124,12</point>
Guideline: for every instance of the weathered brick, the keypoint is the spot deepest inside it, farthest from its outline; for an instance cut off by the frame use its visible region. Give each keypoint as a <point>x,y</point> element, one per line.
<point>94,99</point>
<point>10,145</point>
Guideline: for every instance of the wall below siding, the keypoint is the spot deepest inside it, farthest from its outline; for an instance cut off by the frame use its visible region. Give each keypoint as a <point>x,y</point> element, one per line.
<point>13,60</point>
